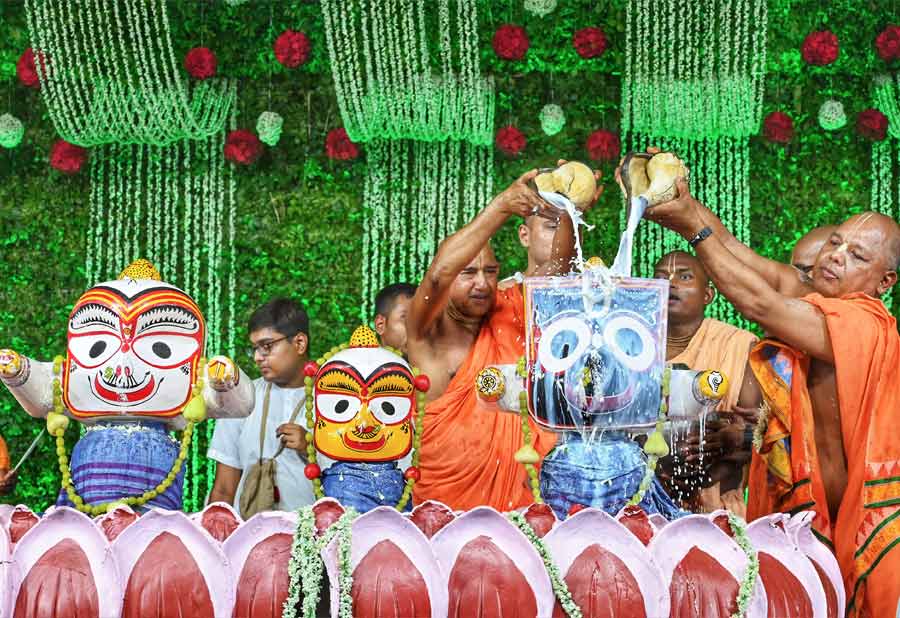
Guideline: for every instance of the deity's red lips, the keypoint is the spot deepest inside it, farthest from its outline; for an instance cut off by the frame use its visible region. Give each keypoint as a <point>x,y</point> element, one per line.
<point>363,446</point>
<point>127,396</point>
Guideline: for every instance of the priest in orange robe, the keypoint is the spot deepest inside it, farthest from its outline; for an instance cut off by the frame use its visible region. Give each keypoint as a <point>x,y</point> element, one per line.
<point>458,324</point>
<point>830,380</point>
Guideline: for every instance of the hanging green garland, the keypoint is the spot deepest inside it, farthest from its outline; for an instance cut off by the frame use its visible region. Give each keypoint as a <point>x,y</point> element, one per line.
<point>428,123</point>
<point>885,196</point>
<point>111,75</point>
<point>693,84</point>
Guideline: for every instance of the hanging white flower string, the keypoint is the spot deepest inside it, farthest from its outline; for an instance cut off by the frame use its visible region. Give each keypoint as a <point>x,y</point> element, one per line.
<point>703,101</point>
<point>389,89</point>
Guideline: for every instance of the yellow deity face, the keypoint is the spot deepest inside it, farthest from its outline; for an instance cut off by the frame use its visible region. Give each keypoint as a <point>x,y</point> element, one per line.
<point>364,406</point>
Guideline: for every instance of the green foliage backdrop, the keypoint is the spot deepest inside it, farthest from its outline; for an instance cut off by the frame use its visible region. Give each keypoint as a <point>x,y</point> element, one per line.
<point>300,215</point>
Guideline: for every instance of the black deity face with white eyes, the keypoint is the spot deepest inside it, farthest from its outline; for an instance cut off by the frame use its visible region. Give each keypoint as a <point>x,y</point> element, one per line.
<point>589,373</point>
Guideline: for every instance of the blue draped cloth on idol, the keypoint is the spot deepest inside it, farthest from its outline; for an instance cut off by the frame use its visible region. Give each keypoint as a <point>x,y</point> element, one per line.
<point>364,485</point>
<point>604,473</point>
<point>117,460</point>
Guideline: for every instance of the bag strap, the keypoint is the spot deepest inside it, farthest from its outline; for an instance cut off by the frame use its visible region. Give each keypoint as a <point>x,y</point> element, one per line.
<point>265,417</point>
<point>290,420</point>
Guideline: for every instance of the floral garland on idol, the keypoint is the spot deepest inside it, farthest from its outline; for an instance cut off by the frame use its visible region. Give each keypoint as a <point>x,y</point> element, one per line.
<point>748,583</point>
<point>560,588</point>
<point>696,89</point>
<point>57,422</point>
<point>306,567</point>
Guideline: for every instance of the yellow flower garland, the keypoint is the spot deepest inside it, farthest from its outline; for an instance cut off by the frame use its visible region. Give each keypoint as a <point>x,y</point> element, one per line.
<point>57,423</point>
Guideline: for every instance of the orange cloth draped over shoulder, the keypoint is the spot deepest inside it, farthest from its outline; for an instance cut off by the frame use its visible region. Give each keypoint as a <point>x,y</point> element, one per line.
<point>720,347</point>
<point>785,475</point>
<point>4,454</point>
<point>466,455</point>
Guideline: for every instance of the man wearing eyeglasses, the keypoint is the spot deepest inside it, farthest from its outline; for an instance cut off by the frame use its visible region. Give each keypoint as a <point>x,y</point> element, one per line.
<point>279,337</point>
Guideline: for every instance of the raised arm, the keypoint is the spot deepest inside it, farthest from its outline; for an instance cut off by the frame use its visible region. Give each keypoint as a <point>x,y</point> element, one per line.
<point>456,251</point>
<point>797,323</point>
<point>781,277</point>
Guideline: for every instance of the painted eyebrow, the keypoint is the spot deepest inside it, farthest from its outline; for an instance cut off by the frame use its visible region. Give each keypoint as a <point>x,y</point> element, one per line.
<point>169,316</point>
<point>94,314</point>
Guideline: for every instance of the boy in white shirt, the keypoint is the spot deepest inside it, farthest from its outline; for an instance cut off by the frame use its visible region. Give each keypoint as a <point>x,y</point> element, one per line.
<point>279,336</point>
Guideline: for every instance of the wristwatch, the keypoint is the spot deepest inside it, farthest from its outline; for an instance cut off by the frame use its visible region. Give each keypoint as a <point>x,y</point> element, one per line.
<point>700,237</point>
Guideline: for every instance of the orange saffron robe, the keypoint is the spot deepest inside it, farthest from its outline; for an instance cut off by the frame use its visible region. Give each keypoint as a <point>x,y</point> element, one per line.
<point>785,474</point>
<point>720,347</point>
<point>4,454</point>
<point>466,455</point>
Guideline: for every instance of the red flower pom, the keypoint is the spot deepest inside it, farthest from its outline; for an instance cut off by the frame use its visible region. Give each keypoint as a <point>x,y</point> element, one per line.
<point>67,158</point>
<point>422,383</point>
<point>291,48</point>
<point>242,146</point>
<point>590,42</point>
<point>872,124</point>
<point>888,43</point>
<point>778,127</point>
<point>575,508</point>
<point>339,147</point>
<point>26,70</point>
<point>510,141</point>
<point>603,145</point>
<point>820,48</point>
<point>511,42</point>
<point>310,369</point>
<point>312,471</point>
<point>200,63</point>
<point>412,473</point>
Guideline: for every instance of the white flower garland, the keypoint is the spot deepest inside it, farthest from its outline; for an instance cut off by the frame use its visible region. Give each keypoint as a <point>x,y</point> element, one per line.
<point>11,131</point>
<point>305,567</point>
<point>560,589</point>
<point>745,592</point>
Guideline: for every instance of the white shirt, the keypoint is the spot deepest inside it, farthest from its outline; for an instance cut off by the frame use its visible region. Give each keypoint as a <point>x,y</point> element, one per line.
<point>235,443</point>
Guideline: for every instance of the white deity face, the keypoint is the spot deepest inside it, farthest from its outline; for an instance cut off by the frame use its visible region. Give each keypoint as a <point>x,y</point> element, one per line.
<point>133,349</point>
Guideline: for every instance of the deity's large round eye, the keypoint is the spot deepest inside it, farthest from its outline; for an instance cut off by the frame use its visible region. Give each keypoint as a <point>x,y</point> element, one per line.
<point>338,408</point>
<point>94,349</point>
<point>390,410</point>
<point>631,341</point>
<point>165,350</point>
<point>562,343</point>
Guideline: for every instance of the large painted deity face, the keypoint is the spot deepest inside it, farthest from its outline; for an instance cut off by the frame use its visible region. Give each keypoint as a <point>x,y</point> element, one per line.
<point>595,363</point>
<point>134,347</point>
<point>364,406</point>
